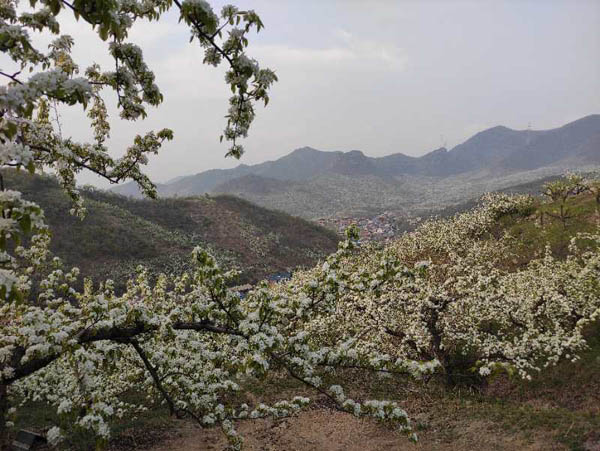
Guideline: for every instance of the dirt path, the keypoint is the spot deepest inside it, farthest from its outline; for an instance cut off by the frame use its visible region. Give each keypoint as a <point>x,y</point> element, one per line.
<point>326,430</point>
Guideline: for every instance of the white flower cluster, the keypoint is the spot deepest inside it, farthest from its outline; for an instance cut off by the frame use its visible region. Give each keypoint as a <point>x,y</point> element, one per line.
<point>187,342</point>
<point>15,154</point>
<point>449,293</point>
<point>52,83</point>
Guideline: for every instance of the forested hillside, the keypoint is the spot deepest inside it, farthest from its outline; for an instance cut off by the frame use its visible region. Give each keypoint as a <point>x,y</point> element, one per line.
<point>120,233</point>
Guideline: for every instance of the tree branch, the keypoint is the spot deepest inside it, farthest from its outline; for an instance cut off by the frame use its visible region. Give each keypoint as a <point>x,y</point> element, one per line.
<point>154,374</point>
<point>122,334</point>
<point>13,77</point>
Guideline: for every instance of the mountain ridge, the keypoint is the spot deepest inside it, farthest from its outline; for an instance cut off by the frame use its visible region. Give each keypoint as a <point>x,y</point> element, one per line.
<point>498,151</point>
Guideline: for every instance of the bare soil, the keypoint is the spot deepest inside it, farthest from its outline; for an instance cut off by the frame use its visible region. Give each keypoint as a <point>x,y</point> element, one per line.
<point>329,430</point>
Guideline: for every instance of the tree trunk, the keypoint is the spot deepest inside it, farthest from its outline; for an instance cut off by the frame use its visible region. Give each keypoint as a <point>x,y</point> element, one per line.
<point>3,416</point>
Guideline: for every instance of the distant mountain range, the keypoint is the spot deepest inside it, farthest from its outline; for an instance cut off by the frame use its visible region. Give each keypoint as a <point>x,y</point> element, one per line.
<point>312,183</point>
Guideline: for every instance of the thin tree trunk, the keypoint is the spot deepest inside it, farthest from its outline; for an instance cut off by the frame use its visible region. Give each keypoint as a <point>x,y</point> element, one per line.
<point>3,415</point>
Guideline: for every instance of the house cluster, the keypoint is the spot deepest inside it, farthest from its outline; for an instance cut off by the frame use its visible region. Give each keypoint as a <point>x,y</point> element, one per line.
<point>377,228</point>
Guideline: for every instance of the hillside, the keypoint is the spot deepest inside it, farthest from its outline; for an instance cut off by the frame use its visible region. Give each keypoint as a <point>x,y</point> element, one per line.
<point>312,183</point>
<point>558,409</point>
<point>120,233</point>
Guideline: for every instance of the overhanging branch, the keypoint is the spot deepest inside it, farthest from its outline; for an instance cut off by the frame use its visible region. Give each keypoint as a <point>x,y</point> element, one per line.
<point>122,334</point>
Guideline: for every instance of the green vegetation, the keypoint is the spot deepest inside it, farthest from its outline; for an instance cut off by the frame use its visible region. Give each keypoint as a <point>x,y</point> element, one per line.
<point>532,234</point>
<point>120,233</point>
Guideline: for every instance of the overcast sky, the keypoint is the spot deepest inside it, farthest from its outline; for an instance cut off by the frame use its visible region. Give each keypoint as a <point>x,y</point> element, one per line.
<point>379,76</point>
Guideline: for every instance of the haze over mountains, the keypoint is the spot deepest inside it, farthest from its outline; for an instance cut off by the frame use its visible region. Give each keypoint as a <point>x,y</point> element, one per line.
<point>313,183</point>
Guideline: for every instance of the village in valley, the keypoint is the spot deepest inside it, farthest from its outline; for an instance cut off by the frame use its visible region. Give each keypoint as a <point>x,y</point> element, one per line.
<point>382,227</point>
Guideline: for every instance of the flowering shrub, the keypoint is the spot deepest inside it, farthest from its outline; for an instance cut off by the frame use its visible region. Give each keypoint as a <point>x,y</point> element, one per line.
<point>561,190</point>
<point>592,185</point>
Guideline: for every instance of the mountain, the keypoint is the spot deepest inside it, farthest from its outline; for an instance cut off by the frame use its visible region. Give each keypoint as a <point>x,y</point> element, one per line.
<point>120,233</point>
<point>311,183</point>
<point>254,184</point>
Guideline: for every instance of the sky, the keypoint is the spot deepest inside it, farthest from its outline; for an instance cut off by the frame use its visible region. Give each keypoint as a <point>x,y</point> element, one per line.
<point>377,76</point>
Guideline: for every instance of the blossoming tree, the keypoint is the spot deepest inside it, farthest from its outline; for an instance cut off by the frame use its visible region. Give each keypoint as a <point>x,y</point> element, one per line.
<point>451,292</point>
<point>592,185</point>
<point>563,189</point>
<point>184,341</point>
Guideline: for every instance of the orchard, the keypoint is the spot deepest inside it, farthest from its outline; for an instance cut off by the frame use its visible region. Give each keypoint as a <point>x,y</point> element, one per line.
<point>443,301</point>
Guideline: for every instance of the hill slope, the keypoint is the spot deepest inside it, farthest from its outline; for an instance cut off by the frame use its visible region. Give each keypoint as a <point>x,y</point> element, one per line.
<point>312,183</point>
<point>559,409</point>
<point>120,233</point>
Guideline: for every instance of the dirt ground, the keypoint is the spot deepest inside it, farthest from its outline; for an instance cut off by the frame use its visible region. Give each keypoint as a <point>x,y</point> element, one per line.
<point>328,430</point>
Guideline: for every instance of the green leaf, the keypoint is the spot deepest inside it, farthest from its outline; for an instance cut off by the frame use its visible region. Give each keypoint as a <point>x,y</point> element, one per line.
<point>10,130</point>
<point>17,296</point>
<point>54,6</point>
<point>25,223</point>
